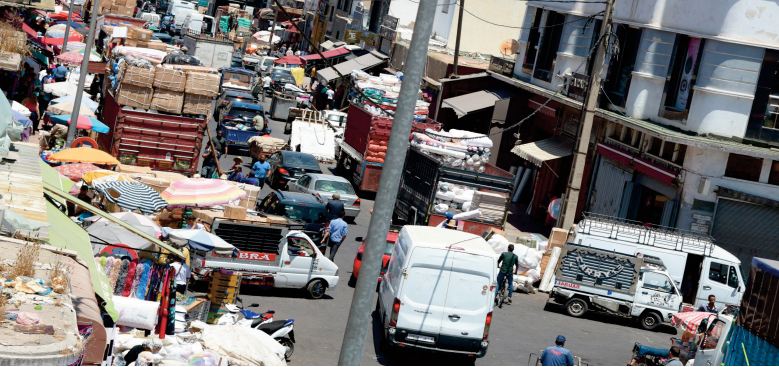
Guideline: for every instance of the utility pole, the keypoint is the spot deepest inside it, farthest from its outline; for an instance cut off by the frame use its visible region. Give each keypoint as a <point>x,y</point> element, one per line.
<point>359,323</point>
<point>82,76</point>
<point>585,124</point>
<point>272,31</point>
<point>457,40</point>
<point>67,26</point>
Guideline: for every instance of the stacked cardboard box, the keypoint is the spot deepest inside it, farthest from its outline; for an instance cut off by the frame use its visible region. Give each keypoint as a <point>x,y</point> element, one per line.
<point>195,104</point>
<point>169,78</point>
<point>138,76</point>
<point>139,34</point>
<point>167,101</point>
<point>117,7</point>
<point>204,84</point>
<point>134,96</point>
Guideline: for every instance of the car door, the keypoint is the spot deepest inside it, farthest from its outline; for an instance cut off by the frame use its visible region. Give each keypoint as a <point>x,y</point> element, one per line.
<point>301,185</point>
<point>299,267</point>
<point>656,291</point>
<point>710,349</point>
<point>721,279</point>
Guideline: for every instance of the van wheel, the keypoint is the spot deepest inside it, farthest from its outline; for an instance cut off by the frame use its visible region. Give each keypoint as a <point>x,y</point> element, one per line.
<point>650,320</point>
<point>576,307</point>
<point>316,288</point>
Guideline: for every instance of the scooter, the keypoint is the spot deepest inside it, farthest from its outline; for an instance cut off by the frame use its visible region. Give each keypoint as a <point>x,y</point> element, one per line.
<point>280,330</point>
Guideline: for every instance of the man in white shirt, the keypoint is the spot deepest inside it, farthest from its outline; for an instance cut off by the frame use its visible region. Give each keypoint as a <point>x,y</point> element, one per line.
<point>182,275</point>
<point>266,80</point>
<point>330,98</point>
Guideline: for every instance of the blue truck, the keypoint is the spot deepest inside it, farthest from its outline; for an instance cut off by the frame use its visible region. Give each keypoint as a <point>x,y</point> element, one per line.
<point>236,123</point>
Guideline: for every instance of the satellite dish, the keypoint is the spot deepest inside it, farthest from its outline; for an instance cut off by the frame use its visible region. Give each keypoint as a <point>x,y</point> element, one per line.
<point>509,47</point>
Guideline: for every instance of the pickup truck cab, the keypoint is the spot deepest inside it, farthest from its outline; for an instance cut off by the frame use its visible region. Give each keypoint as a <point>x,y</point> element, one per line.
<point>237,126</point>
<point>305,208</point>
<point>294,262</point>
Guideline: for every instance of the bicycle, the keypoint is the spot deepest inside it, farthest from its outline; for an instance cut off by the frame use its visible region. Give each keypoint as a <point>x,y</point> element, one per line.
<point>502,296</point>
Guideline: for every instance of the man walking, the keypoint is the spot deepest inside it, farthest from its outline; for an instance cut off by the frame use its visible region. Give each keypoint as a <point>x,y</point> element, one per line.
<point>261,170</point>
<point>338,230</point>
<point>507,262</point>
<point>557,355</point>
<point>335,207</point>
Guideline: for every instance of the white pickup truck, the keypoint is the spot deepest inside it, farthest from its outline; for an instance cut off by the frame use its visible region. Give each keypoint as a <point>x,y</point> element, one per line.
<point>290,262</point>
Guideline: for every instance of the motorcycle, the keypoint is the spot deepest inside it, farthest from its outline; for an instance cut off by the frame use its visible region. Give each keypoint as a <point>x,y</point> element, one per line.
<point>644,355</point>
<point>280,330</point>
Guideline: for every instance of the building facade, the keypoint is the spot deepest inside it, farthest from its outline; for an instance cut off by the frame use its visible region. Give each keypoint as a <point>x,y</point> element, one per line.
<point>687,133</point>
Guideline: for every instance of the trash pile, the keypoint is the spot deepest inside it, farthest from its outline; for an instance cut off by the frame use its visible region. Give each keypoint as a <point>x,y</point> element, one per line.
<point>456,148</point>
<point>378,93</point>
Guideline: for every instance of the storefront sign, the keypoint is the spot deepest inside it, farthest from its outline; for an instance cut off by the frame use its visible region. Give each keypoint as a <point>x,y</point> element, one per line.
<point>352,36</point>
<point>501,66</point>
<point>256,256</point>
<point>576,85</point>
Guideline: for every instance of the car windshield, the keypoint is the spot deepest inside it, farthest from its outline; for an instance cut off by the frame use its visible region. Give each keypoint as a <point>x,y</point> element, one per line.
<point>300,160</point>
<point>308,214</point>
<point>267,62</point>
<point>244,113</point>
<point>281,75</point>
<point>338,187</point>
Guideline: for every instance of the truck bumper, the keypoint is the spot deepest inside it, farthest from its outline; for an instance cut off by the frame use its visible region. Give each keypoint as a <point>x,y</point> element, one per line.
<point>441,343</point>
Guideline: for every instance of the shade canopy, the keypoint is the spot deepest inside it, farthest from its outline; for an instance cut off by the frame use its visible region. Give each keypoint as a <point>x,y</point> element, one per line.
<point>199,239</point>
<point>363,62</point>
<point>690,321</point>
<point>65,88</point>
<point>85,101</point>
<point>75,57</point>
<point>132,196</point>
<point>472,102</point>
<point>103,230</point>
<point>541,151</point>
<point>201,192</point>
<point>67,107</point>
<point>83,122</point>
<point>289,60</point>
<point>75,171</point>
<point>85,155</point>
<point>103,176</point>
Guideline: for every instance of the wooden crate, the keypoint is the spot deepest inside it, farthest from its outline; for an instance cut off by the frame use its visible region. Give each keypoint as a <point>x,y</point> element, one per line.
<point>558,237</point>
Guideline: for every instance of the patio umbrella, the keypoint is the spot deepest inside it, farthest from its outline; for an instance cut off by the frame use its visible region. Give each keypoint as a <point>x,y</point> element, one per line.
<point>132,196</point>
<point>103,175</point>
<point>112,233</point>
<point>92,105</point>
<point>84,155</point>
<point>289,60</point>
<point>75,57</point>
<point>201,192</point>
<point>83,122</point>
<point>75,171</point>
<point>65,108</point>
<point>60,89</point>
<point>199,239</point>
<point>690,321</point>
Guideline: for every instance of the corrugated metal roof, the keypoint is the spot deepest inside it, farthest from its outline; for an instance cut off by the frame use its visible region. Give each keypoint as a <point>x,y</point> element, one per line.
<point>21,186</point>
<point>363,62</point>
<point>472,102</point>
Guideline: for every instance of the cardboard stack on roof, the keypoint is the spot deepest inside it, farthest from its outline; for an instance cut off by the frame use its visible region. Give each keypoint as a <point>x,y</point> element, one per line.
<point>117,7</point>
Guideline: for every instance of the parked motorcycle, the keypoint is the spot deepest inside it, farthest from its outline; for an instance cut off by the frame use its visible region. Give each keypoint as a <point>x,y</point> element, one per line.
<point>644,355</point>
<point>280,330</point>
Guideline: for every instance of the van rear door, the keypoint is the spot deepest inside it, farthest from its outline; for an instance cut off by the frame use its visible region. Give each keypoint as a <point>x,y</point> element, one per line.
<point>470,299</point>
<point>423,293</point>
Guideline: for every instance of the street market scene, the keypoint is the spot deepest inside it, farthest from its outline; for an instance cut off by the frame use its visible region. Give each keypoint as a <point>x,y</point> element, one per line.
<point>395,182</point>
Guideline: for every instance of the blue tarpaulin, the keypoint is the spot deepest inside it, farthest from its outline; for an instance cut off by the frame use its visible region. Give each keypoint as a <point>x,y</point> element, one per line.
<point>747,349</point>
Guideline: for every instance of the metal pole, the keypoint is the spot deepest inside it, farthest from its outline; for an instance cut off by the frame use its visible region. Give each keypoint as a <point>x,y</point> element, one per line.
<point>82,77</point>
<point>585,125</point>
<point>359,323</point>
<point>457,40</point>
<point>272,31</point>
<point>67,26</point>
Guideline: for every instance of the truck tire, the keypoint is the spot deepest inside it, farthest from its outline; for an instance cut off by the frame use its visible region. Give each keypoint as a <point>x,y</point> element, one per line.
<point>576,307</point>
<point>316,288</point>
<point>650,320</point>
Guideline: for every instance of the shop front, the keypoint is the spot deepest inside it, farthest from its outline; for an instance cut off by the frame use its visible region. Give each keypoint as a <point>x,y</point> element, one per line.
<point>544,174</point>
<point>632,187</point>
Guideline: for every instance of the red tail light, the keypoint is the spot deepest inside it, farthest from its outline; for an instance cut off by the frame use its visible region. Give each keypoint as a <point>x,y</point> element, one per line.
<point>202,262</point>
<point>487,324</point>
<point>356,202</point>
<point>395,311</point>
<point>283,171</point>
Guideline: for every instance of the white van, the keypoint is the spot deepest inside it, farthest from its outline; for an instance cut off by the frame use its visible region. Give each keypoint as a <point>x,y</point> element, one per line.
<point>438,291</point>
<point>697,266</point>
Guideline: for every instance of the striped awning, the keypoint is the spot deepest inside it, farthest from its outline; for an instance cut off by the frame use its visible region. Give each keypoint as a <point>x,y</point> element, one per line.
<point>132,196</point>
<point>540,151</point>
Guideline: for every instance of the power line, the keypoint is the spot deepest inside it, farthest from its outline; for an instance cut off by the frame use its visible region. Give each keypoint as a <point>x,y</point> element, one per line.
<point>538,27</point>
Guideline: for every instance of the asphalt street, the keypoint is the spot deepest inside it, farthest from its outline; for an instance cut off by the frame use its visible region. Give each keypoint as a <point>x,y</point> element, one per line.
<point>517,331</point>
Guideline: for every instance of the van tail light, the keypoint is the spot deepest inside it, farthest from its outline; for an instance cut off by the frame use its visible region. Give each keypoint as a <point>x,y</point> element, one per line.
<point>395,311</point>
<point>487,323</point>
<point>356,202</point>
<point>283,171</point>
<point>202,262</point>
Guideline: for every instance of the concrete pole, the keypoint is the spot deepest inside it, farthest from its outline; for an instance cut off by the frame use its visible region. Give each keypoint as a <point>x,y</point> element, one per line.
<point>359,323</point>
<point>585,124</point>
<point>457,39</point>
<point>82,77</point>
<point>67,25</point>
<point>272,31</point>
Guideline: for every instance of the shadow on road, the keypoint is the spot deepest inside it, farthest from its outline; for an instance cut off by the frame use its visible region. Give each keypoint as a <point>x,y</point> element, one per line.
<point>608,319</point>
<point>254,290</point>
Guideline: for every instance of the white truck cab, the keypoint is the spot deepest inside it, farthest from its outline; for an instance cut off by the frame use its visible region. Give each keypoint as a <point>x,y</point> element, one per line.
<point>438,291</point>
<point>697,266</point>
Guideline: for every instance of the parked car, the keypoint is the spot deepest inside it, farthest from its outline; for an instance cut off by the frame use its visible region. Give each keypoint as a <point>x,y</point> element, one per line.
<point>324,186</point>
<point>306,208</point>
<point>288,166</point>
<point>266,63</point>
<point>279,77</point>
<point>392,237</point>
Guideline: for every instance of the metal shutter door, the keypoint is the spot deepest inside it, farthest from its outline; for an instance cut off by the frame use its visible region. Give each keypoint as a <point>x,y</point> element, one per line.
<point>609,185</point>
<point>746,230</point>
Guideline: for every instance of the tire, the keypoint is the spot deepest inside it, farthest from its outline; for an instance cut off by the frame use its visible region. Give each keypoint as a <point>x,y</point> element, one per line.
<point>286,342</point>
<point>650,320</point>
<point>316,288</point>
<point>352,281</point>
<point>576,307</point>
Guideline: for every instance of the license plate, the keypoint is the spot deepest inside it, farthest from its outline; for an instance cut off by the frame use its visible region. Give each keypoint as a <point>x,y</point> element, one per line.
<point>421,338</point>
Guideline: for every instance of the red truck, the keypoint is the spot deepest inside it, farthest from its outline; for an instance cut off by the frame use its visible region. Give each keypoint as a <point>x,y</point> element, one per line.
<point>361,154</point>
<point>163,142</point>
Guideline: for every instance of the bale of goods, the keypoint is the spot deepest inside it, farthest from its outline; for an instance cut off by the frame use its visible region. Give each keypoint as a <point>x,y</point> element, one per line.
<point>168,78</point>
<point>138,76</point>
<point>134,96</point>
<point>204,84</point>
<point>139,34</point>
<point>167,101</point>
<point>117,7</point>
<point>195,104</point>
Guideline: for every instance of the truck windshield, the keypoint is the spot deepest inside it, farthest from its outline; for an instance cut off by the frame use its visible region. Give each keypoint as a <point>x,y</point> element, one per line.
<point>242,113</point>
<point>657,282</point>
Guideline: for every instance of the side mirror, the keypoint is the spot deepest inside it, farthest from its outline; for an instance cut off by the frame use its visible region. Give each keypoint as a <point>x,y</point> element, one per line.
<point>358,239</point>
<point>254,305</point>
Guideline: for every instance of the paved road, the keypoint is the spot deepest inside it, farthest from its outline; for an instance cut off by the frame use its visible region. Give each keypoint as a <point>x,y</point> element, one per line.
<point>517,330</point>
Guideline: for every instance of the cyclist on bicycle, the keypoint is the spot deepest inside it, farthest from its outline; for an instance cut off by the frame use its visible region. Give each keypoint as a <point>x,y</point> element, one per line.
<point>507,262</point>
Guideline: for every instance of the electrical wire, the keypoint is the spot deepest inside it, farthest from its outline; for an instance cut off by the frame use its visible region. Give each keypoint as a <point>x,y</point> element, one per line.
<point>538,27</point>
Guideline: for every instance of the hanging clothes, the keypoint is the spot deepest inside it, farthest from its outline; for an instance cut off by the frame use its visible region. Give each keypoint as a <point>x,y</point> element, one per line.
<point>128,281</point>
<point>120,279</point>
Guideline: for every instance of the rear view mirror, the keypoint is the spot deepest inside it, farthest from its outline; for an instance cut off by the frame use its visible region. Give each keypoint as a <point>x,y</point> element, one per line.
<point>358,239</point>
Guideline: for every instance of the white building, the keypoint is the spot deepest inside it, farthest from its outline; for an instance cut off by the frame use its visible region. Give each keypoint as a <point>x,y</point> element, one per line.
<point>687,135</point>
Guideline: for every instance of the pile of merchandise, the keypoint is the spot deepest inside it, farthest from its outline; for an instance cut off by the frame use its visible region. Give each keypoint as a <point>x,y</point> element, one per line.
<point>456,148</point>
<point>117,7</point>
<point>529,253</point>
<point>378,93</point>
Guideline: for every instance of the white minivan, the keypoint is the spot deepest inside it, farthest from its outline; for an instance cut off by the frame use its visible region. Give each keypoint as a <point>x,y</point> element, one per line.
<point>438,291</point>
